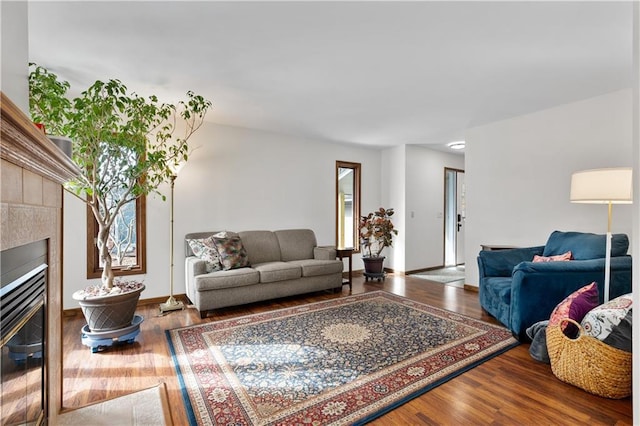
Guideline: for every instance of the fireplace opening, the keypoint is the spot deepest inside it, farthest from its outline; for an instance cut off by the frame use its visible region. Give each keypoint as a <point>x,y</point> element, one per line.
<point>23,334</point>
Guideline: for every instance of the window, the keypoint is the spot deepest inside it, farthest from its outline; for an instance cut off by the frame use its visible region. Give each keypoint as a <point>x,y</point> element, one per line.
<point>126,242</point>
<point>347,205</point>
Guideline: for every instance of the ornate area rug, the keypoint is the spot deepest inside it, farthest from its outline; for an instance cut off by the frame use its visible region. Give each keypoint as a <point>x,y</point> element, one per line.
<point>342,361</point>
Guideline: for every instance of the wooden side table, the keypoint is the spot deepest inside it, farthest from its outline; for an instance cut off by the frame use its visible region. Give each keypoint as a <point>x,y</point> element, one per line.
<point>348,253</point>
<point>494,247</point>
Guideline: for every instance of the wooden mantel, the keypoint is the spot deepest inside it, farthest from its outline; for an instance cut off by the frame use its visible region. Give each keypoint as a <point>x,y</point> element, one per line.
<point>24,145</point>
<point>33,170</point>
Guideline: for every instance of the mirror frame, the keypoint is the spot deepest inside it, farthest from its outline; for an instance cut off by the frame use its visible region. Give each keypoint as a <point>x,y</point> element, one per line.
<point>356,167</point>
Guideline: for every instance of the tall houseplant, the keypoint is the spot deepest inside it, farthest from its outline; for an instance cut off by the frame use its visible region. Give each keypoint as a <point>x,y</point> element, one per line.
<point>376,233</point>
<point>125,146</point>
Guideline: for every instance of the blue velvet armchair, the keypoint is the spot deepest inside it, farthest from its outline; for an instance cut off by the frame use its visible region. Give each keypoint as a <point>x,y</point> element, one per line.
<point>519,292</point>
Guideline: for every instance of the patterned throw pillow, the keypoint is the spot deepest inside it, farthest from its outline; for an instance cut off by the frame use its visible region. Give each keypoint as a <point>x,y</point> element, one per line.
<point>231,251</point>
<point>621,335</point>
<point>205,249</point>
<point>575,306</point>
<point>557,258</point>
<point>602,320</point>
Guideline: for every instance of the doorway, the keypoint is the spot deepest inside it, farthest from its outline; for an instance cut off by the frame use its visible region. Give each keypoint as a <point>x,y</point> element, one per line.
<point>454,217</point>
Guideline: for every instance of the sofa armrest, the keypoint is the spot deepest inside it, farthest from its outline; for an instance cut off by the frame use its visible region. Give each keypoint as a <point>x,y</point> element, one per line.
<point>195,266</point>
<point>500,263</point>
<point>537,288</point>
<point>324,253</point>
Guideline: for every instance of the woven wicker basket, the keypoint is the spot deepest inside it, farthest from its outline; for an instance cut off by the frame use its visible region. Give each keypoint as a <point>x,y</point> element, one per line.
<point>588,363</point>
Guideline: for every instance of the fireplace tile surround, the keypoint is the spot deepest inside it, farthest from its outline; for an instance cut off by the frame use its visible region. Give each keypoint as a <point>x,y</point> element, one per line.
<point>32,172</point>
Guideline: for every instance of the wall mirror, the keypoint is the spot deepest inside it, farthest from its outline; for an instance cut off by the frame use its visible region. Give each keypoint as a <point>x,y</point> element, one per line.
<point>347,204</point>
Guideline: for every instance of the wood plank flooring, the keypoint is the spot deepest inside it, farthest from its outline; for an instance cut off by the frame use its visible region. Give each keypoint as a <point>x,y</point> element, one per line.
<point>509,389</point>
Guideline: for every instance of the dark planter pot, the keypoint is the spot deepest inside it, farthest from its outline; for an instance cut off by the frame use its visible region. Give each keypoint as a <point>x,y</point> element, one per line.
<point>373,265</point>
<point>105,313</point>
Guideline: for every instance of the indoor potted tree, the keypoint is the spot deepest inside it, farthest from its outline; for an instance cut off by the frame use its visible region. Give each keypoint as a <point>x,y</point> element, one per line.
<point>376,233</point>
<point>125,148</point>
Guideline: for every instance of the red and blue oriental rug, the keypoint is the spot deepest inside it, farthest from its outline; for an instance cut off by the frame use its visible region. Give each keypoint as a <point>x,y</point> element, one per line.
<point>342,361</point>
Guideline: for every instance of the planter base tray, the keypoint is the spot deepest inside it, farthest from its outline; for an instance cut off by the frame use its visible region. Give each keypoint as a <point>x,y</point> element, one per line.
<point>101,340</point>
<point>21,353</point>
<point>371,276</point>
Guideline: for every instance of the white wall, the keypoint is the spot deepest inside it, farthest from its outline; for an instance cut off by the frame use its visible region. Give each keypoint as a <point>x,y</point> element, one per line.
<point>636,206</point>
<point>518,173</point>
<point>424,232</point>
<point>237,179</point>
<point>15,52</point>
<point>393,188</point>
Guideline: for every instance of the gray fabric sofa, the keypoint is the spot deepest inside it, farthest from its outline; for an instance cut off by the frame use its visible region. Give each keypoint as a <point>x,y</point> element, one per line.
<point>282,263</point>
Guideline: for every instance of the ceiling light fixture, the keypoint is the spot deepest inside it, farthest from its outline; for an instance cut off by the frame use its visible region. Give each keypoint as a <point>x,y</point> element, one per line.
<point>456,145</point>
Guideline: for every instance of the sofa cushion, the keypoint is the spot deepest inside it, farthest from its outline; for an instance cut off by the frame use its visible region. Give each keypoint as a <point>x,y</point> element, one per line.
<point>499,289</point>
<point>277,271</point>
<point>557,258</point>
<point>196,236</point>
<point>314,268</point>
<point>226,279</point>
<point>231,251</point>
<point>205,249</point>
<point>584,245</point>
<point>296,244</point>
<point>495,298</point>
<point>261,246</point>
<point>500,263</point>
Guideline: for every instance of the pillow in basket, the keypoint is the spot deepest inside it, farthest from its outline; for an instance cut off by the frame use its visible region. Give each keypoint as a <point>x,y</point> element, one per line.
<point>205,249</point>
<point>611,322</point>
<point>575,306</point>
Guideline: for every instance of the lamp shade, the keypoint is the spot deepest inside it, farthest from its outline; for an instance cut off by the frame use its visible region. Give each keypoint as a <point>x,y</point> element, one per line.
<point>176,167</point>
<point>602,186</point>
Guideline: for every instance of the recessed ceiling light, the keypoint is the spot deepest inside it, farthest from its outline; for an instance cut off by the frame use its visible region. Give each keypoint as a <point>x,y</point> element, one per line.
<point>456,145</point>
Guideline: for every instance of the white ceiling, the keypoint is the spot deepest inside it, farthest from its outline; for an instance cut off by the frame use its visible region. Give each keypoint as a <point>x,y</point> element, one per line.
<point>373,73</point>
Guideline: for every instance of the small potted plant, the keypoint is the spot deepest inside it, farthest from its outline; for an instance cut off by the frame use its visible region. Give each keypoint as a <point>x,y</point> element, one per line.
<point>124,147</point>
<point>376,233</point>
<point>48,104</point>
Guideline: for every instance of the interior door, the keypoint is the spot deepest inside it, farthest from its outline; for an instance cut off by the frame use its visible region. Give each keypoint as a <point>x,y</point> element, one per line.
<point>454,218</point>
<point>460,217</point>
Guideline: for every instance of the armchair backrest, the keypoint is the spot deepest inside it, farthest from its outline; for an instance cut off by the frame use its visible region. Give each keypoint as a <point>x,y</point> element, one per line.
<point>584,245</point>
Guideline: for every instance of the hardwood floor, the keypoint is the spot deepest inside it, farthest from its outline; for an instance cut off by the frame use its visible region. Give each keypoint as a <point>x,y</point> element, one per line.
<point>509,389</point>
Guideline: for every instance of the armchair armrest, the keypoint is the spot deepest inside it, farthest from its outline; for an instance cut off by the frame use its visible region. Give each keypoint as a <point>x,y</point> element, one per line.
<point>537,288</point>
<point>500,263</point>
<point>324,253</point>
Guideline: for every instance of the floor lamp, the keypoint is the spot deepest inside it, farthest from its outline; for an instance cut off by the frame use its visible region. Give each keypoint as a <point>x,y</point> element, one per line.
<point>172,304</point>
<point>603,186</point>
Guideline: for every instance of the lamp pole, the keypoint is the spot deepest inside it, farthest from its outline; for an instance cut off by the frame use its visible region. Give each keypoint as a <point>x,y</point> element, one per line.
<point>171,304</point>
<point>607,259</point>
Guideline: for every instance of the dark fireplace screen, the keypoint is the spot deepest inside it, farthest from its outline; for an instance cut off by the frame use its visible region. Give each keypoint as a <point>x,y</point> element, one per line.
<point>23,331</point>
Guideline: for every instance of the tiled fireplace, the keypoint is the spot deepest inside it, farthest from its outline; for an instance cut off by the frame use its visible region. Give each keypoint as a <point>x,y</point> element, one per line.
<point>32,171</point>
